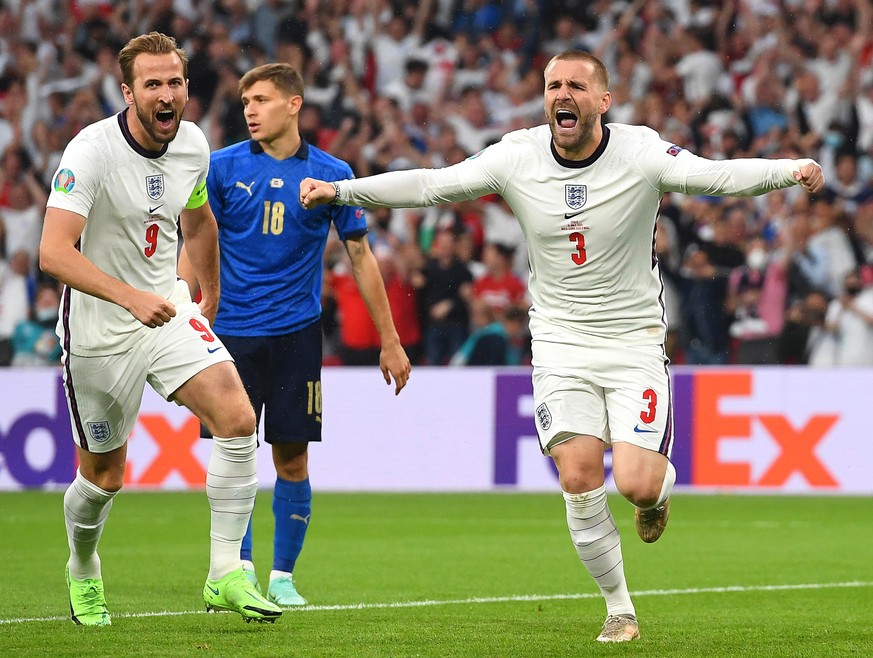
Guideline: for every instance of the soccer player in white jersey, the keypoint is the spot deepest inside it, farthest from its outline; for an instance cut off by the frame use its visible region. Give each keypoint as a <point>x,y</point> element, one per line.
<point>110,236</point>
<point>586,196</point>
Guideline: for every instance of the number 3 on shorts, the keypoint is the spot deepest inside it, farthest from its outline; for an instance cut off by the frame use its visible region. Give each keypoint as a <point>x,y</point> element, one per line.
<point>647,415</point>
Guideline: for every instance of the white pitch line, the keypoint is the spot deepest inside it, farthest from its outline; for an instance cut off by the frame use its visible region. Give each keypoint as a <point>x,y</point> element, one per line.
<point>492,599</point>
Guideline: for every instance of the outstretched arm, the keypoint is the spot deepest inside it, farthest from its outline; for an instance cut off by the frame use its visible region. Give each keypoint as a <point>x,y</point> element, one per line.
<point>392,360</point>
<point>415,188</point>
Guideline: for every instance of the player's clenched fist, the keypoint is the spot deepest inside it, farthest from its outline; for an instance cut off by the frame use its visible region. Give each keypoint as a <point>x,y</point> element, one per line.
<point>316,193</point>
<point>152,310</point>
<point>810,177</point>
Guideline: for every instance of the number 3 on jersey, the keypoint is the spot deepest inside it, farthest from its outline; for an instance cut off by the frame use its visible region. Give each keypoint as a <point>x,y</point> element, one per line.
<point>579,256</point>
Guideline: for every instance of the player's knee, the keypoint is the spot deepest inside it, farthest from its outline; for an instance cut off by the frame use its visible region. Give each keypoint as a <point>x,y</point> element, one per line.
<point>644,497</point>
<point>579,482</point>
<point>645,490</point>
<point>109,481</point>
<point>233,419</point>
<point>291,467</point>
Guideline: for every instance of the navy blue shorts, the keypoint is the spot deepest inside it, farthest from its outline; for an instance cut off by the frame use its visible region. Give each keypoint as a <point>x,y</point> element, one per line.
<point>282,375</point>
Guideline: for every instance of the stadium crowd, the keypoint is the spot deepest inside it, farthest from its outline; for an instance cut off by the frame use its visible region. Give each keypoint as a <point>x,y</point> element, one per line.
<point>399,84</point>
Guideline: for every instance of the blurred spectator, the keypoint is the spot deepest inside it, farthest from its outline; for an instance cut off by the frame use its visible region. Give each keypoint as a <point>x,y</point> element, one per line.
<point>446,291</point>
<point>498,286</point>
<point>14,302</point>
<point>495,340</point>
<point>847,189</point>
<point>756,301</point>
<point>359,343</point>
<point>848,326</point>
<point>704,331</point>
<point>21,214</point>
<point>35,342</point>
<point>803,339</point>
<point>830,245</point>
<point>411,89</point>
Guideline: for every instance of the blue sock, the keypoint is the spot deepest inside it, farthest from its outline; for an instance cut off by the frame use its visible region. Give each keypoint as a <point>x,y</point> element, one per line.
<point>292,506</point>
<point>245,551</point>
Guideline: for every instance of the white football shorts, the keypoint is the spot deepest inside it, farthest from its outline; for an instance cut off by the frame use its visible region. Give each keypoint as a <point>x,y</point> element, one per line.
<point>104,393</point>
<point>614,393</point>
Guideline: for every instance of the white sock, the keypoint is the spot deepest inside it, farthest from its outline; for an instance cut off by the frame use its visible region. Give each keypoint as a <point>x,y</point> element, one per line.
<point>86,507</point>
<point>598,545</point>
<point>279,574</point>
<point>231,486</point>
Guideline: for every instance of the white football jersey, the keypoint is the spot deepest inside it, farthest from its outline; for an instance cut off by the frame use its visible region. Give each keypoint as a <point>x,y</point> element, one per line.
<point>589,225</point>
<point>131,199</point>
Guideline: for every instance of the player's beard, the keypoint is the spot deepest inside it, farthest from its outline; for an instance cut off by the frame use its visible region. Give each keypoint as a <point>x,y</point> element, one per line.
<point>150,125</point>
<point>581,138</point>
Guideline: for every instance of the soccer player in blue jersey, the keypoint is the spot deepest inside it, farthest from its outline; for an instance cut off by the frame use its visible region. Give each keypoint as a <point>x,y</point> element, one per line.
<point>271,275</point>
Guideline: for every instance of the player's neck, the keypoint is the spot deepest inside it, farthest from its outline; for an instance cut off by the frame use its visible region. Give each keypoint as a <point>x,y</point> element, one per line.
<point>284,146</point>
<point>586,150</point>
<point>139,133</point>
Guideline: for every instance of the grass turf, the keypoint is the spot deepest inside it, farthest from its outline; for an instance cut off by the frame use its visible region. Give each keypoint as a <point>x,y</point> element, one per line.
<point>476,575</point>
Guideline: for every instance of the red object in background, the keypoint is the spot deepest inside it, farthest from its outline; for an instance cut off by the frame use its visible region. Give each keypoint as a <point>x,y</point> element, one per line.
<point>356,328</point>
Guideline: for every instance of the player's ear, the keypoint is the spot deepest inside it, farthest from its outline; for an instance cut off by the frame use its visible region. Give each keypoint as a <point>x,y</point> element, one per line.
<point>605,102</point>
<point>128,94</point>
<point>295,103</point>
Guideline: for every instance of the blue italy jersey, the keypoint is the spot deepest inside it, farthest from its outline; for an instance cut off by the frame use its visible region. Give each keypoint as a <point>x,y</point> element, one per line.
<point>271,247</point>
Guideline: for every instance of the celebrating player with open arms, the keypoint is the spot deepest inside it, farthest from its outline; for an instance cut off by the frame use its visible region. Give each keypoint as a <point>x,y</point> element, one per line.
<point>272,253</point>
<point>586,196</point>
<point>110,235</point>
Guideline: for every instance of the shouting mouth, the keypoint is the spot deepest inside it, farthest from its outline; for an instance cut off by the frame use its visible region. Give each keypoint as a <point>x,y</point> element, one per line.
<point>165,119</point>
<point>566,119</point>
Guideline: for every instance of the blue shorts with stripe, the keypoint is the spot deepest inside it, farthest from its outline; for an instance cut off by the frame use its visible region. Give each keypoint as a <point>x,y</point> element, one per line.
<point>282,376</point>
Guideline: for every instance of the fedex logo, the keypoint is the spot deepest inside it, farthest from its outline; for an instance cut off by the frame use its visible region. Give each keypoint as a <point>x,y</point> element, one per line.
<point>172,455</point>
<point>37,448</point>
<point>776,449</point>
<point>782,435</point>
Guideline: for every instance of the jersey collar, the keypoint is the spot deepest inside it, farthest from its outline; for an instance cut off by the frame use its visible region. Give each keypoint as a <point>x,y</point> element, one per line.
<point>132,143</point>
<point>578,164</point>
<point>302,152</point>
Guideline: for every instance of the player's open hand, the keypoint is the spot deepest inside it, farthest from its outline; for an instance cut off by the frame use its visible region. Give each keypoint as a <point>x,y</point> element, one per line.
<point>810,177</point>
<point>151,309</point>
<point>394,363</point>
<point>316,193</point>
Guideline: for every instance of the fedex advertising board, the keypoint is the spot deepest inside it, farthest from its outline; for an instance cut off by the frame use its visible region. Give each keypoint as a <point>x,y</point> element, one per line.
<point>785,430</point>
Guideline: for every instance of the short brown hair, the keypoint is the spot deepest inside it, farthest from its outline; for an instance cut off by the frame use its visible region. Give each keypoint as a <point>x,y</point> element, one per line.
<point>153,43</point>
<point>600,71</point>
<point>284,76</point>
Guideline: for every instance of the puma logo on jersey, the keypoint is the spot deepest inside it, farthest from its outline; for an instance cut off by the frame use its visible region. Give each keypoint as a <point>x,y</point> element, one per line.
<point>297,517</point>
<point>247,188</point>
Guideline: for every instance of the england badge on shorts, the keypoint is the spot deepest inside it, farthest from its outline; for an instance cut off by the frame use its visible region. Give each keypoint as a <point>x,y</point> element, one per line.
<point>575,196</point>
<point>544,416</point>
<point>155,186</point>
<point>99,431</point>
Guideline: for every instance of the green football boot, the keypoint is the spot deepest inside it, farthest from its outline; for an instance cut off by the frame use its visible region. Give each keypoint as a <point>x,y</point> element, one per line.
<point>235,593</point>
<point>283,593</point>
<point>87,601</point>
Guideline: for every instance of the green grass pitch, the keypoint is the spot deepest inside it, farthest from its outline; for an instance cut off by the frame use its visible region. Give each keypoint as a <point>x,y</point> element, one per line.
<point>478,575</point>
